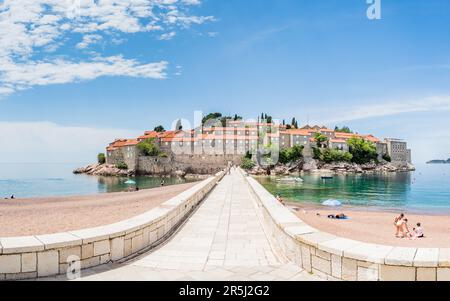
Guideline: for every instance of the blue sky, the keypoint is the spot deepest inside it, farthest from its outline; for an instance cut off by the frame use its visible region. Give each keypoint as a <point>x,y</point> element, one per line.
<point>74,76</point>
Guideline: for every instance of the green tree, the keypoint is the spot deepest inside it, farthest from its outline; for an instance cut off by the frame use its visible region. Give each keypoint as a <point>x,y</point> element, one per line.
<point>321,139</point>
<point>159,129</point>
<point>149,148</point>
<point>101,158</point>
<point>211,116</point>
<point>293,123</point>
<point>363,151</point>
<point>344,129</point>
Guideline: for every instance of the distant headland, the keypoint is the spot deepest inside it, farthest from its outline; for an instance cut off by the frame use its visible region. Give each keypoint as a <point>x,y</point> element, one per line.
<point>439,161</point>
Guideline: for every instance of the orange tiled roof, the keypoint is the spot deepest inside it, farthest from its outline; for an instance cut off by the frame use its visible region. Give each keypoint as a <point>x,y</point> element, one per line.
<point>297,132</point>
<point>338,140</point>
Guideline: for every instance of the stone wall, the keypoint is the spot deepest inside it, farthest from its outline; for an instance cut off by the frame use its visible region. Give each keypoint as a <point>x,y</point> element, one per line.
<point>48,255</point>
<point>335,258</point>
<point>198,164</point>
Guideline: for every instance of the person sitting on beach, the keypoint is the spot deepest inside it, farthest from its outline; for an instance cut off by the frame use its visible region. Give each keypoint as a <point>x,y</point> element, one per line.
<point>12,197</point>
<point>398,223</point>
<point>418,232</point>
<point>338,216</point>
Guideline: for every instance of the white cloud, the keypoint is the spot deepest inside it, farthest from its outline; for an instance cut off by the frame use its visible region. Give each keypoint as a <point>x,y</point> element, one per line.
<point>31,30</point>
<point>23,76</point>
<point>88,40</point>
<point>55,143</point>
<point>387,108</point>
<point>167,36</point>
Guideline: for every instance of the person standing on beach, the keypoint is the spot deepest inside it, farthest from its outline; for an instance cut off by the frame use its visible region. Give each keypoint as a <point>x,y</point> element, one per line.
<point>398,223</point>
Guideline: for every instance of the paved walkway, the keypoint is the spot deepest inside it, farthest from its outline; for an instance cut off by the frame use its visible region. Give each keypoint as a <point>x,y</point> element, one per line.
<point>222,240</point>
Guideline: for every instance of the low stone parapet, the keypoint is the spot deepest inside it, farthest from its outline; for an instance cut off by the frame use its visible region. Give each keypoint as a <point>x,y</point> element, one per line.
<point>36,256</point>
<point>336,258</point>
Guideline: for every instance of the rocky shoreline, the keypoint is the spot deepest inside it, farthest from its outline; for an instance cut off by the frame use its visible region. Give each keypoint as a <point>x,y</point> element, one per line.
<point>107,170</point>
<point>314,166</point>
<point>104,170</point>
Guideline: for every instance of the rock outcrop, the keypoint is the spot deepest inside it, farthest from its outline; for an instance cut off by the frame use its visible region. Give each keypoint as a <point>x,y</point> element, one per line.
<point>104,170</point>
<point>338,167</point>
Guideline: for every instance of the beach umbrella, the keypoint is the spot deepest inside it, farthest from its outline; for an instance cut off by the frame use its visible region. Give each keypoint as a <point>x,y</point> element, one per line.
<point>332,203</point>
<point>130,182</point>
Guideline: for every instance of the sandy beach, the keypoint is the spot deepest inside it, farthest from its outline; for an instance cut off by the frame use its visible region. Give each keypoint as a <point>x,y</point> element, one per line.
<point>376,226</point>
<point>22,217</point>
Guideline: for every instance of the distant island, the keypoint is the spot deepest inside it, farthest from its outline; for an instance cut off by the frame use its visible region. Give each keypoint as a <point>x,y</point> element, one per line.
<point>439,161</point>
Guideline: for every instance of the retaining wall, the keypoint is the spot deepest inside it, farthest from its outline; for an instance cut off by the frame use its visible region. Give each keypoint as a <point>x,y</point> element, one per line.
<point>336,258</point>
<point>47,255</point>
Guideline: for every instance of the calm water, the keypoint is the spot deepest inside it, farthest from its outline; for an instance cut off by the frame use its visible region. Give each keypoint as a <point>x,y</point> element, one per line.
<point>37,180</point>
<point>426,189</point>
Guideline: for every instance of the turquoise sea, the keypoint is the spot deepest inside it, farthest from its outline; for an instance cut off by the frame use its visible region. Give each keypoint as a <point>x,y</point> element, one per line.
<point>39,180</point>
<point>426,190</point>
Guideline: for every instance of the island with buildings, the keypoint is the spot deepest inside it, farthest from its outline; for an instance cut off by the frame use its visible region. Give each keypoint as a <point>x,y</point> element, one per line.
<point>261,147</point>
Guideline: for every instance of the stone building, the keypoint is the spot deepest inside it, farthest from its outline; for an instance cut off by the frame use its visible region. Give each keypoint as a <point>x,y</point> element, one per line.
<point>398,150</point>
<point>207,149</point>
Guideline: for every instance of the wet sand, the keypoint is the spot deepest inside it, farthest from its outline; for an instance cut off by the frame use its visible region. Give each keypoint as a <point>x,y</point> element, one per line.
<point>22,217</point>
<point>377,226</point>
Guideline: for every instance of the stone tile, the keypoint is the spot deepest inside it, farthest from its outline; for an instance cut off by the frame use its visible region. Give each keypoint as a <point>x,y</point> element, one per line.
<point>21,244</point>
<point>101,247</point>
<point>426,257</point>
<point>321,264</point>
<point>336,266</point>
<point>401,256</point>
<point>337,246</point>
<point>444,257</point>
<point>314,239</point>
<point>368,252</point>
<point>87,251</point>
<point>59,240</point>
<point>10,264</point>
<point>426,274</point>
<point>397,273</point>
<point>29,262</point>
<point>368,273</point>
<point>48,263</point>
<point>443,274</point>
<point>349,269</point>
<point>65,253</point>
<point>117,248</point>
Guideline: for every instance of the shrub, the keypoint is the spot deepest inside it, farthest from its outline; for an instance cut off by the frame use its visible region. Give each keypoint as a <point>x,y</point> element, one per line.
<point>247,164</point>
<point>159,129</point>
<point>317,154</point>
<point>335,155</point>
<point>122,165</point>
<point>101,158</point>
<point>291,154</point>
